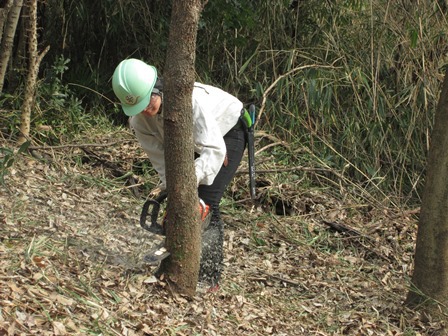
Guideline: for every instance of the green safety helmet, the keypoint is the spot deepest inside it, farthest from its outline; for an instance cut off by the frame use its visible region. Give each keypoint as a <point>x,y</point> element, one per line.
<point>133,82</point>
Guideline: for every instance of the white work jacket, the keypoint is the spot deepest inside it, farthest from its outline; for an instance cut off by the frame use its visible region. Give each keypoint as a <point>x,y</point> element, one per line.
<point>215,112</point>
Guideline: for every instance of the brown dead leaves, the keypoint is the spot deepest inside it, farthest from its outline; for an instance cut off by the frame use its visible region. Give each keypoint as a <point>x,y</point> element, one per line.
<point>71,264</point>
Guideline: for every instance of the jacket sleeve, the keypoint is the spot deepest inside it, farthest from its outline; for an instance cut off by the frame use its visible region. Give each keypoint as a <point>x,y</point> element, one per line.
<point>209,144</point>
<point>152,144</point>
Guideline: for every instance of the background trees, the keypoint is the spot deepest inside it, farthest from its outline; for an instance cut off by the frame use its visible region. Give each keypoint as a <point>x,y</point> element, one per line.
<point>9,17</point>
<point>364,105</point>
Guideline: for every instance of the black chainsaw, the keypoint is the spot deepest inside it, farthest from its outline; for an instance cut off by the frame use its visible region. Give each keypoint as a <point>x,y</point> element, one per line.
<point>152,208</point>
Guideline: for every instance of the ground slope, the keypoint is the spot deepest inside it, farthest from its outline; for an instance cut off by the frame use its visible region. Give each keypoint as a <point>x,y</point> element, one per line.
<point>71,260</point>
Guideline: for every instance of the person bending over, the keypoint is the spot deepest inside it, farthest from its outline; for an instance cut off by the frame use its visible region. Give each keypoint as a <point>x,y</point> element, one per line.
<point>219,142</point>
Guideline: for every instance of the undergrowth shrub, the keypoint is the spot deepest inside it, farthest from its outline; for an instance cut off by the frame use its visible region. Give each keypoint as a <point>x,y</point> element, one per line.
<point>7,158</point>
<point>59,110</point>
<point>362,98</point>
<point>352,82</point>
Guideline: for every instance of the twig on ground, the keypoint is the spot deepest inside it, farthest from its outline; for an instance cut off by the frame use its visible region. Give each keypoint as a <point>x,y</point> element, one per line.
<point>352,233</point>
<point>283,170</point>
<point>345,229</point>
<point>77,145</point>
<point>116,171</point>
<point>266,277</point>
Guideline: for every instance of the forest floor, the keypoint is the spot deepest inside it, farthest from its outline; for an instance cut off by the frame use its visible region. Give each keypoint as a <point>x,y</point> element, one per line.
<point>71,257</point>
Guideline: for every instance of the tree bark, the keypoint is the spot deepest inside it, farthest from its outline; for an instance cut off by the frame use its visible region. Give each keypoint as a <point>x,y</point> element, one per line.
<point>430,276</point>
<point>183,226</point>
<point>8,39</point>
<point>4,15</point>
<point>34,60</point>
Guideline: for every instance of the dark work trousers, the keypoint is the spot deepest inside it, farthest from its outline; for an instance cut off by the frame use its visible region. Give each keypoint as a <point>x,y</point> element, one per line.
<point>235,144</point>
<point>213,237</point>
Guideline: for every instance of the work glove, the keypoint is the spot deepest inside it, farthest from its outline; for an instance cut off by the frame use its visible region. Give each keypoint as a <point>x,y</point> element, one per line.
<point>156,192</point>
<point>204,210</point>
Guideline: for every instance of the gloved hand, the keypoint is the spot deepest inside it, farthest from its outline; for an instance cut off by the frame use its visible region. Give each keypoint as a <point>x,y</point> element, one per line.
<point>204,210</point>
<point>156,192</point>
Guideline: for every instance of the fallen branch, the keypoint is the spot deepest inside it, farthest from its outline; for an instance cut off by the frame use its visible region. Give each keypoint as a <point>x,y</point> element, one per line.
<point>265,277</point>
<point>77,145</point>
<point>344,229</point>
<point>355,233</point>
<point>281,279</point>
<point>283,170</point>
<point>116,171</point>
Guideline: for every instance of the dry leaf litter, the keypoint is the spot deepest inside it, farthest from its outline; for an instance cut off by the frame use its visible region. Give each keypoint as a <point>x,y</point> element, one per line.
<point>71,262</point>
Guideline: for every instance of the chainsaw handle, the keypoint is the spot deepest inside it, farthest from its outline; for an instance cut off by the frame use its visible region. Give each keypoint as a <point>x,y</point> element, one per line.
<point>154,227</point>
<point>252,114</point>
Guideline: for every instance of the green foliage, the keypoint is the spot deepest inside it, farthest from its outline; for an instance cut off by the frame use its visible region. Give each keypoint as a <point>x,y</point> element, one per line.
<point>96,35</point>
<point>6,161</point>
<point>58,105</point>
<point>364,92</point>
<point>7,158</point>
<point>354,82</point>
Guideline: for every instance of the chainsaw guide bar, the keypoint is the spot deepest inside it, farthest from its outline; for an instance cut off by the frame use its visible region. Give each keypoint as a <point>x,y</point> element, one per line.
<point>156,254</point>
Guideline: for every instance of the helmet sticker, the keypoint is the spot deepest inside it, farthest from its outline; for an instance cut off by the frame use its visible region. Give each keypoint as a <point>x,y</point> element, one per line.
<point>131,99</point>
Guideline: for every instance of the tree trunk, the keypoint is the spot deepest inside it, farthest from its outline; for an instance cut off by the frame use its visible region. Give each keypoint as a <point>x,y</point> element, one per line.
<point>4,15</point>
<point>34,60</point>
<point>430,276</point>
<point>183,226</point>
<point>8,39</point>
